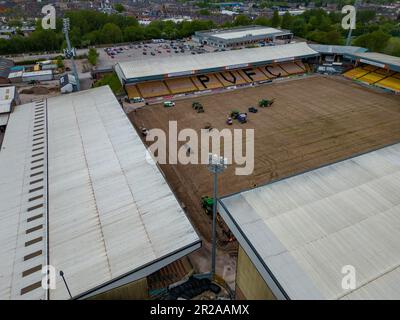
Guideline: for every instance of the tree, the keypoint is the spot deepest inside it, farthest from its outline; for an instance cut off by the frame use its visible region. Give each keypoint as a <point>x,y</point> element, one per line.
<point>242,20</point>
<point>393,47</point>
<point>299,27</point>
<point>111,33</point>
<point>119,7</point>
<point>374,41</point>
<point>333,37</point>
<point>92,56</point>
<point>133,33</point>
<point>262,21</point>
<point>60,62</point>
<point>286,21</point>
<point>276,19</point>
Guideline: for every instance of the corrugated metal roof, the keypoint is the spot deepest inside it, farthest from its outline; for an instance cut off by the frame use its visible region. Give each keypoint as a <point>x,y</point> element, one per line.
<point>3,119</point>
<point>308,227</point>
<point>188,63</point>
<point>322,48</point>
<point>37,73</point>
<point>391,62</point>
<point>110,210</point>
<point>7,95</point>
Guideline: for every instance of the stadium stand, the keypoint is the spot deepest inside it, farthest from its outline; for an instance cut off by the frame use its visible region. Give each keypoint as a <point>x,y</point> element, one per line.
<point>355,73</point>
<point>369,68</point>
<point>180,85</point>
<point>291,68</point>
<point>206,81</point>
<point>384,72</point>
<point>301,65</point>
<point>132,92</point>
<point>273,71</point>
<point>230,78</point>
<point>371,77</point>
<point>153,89</point>
<point>253,74</point>
<point>391,83</point>
<point>396,75</point>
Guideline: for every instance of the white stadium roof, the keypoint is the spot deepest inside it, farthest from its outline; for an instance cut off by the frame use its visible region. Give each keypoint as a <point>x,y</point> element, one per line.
<point>159,68</point>
<point>77,192</point>
<point>301,231</point>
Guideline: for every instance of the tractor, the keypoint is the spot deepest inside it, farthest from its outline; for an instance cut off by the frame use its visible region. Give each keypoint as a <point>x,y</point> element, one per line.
<point>264,103</point>
<point>234,114</point>
<point>198,107</point>
<point>207,204</point>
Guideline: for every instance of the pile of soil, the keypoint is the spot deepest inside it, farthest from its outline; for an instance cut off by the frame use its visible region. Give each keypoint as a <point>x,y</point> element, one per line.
<point>36,90</point>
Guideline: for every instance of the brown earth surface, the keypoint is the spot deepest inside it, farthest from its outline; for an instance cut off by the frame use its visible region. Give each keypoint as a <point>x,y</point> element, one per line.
<point>314,121</point>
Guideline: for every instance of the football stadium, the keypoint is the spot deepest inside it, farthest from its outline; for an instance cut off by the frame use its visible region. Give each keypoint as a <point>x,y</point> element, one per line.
<point>317,140</point>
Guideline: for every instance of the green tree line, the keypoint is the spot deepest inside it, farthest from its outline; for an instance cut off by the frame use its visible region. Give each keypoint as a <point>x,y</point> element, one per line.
<point>90,28</point>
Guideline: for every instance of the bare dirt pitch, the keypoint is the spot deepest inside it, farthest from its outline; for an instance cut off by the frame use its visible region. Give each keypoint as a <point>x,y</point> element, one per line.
<point>314,121</point>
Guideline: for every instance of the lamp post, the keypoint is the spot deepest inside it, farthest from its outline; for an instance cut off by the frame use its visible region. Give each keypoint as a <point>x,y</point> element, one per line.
<point>216,165</point>
<point>70,52</point>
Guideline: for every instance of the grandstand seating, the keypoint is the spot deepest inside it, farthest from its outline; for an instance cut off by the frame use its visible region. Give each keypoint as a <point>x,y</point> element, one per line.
<point>371,77</point>
<point>180,85</point>
<point>301,65</point>
<point>214,80</point>
<point>384,72</point>
<point>291,68</point>
<point>253,74</point>
<point>153,89</point>
<point>206,81</point>
<point>132,91</point>
<point>396,75</point>
<point>390,83</point>
<point>273,71</point>
<point>230,78</point>
<point>355,73</point>
<point>369,68</point>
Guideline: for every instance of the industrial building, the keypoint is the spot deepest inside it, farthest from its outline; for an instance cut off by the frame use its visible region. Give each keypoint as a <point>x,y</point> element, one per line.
<point>242,36</point>
<point>8,100</point>
<point>79,194</point>
<point>300,236</point>
<point>5,67</point>
<point>42,75</point>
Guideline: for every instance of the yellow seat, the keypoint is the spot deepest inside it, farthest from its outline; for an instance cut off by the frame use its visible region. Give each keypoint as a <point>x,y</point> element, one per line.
<point>273,71</point>
<point>301,65</point>
<point>390,83</point>
<point>252,74</point>
<point>180,85</point>
<point>230,78</point>
<point>206,81</point>
<point>371,77</point>
<point>291,68</point>
<point>132,91</point>
<point>355,73</point>
<point>153,89</point>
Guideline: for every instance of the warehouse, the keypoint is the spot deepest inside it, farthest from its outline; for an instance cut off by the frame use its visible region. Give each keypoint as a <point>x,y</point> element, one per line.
<point>299,236</point>
<point>43,75</point>
<point>243,36</point>
<point>77,193</point>
<point>8,100</point>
